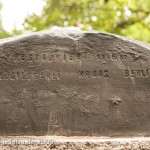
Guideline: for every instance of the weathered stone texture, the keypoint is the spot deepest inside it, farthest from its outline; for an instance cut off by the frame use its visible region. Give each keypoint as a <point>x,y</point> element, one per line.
<point>74,83</point>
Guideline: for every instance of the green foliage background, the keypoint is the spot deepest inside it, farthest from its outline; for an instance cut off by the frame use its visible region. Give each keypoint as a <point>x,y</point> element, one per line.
<point>3,33</point>
<point>130,18</point>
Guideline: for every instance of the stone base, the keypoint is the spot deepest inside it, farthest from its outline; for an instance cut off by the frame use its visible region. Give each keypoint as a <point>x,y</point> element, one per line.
<point>73,143</point>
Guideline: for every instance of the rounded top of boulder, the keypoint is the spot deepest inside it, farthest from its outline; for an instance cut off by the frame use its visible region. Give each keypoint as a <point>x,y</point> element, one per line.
<point>73,33</point>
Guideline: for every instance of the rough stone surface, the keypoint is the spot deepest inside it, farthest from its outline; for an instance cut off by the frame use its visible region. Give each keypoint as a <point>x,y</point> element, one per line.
<point>74,83</point>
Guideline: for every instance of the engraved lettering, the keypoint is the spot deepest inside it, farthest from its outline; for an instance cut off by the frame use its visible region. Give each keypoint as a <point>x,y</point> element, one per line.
<point>23,76</point>
<point>41,75</point>
<point>58,56</point>
<point>87,74</point>
<point>64,57</point>
<point>54,76</point>
<point>23,57</point>
<point>58,78</point>
<point>114,56</point>
<point>36,57</point>
<point>93,74</point>
<point>100,74</point>
<point>143,73</point>
<point>48,57</point>
<point>12,76</point>
<point>81,74</point>
<point>17,75</point>
<point>51,57</point>
<point>0,76</point>
<point>147,72</point>
<point>132,73</point>
<point>16,59</point>
<point>35,75</point>
<point>84,55</point>
<point>106,73</point>
<point>126,73</point>
<point>102,56</point>
<point>138,73</point>
<point>30,75</point>
<point>98,56</point>
<point>78,55</point>
<point>44,57</point>
<point>30,57</point>
<point>6,76</point>
<point>71,57</point>
<point>48,76</point>
<point>111,56</point>
<point>108,56</point>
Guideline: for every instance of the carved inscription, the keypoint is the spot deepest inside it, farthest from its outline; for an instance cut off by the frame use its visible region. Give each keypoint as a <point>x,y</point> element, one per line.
<point>48,57</point>
<point>30,75</point>
<point>86,74</point>
<point>111,56</point>
<point>137,73</point>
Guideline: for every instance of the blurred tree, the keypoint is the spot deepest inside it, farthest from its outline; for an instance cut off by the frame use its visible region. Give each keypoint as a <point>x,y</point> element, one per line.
<point>3,33</point>
<point>125,17</point>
